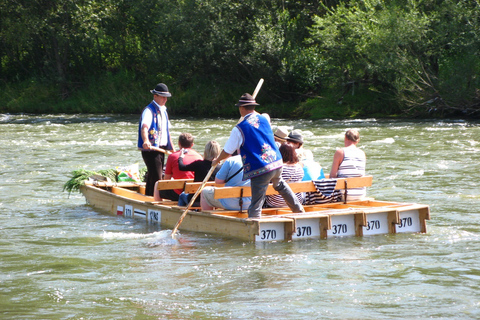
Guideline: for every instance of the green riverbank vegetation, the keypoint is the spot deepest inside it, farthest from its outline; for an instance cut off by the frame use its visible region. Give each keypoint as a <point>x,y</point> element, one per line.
<point>319,59</point>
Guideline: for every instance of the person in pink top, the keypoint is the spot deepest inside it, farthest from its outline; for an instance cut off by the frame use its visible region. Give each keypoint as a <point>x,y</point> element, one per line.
<point>172,171</point>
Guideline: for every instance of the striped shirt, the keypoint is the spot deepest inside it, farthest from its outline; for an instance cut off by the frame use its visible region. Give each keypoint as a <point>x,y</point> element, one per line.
<point>353,165</point>
<point>289,174</point>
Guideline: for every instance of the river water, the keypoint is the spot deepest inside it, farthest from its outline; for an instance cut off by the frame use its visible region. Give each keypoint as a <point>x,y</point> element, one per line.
<point>60,259</point>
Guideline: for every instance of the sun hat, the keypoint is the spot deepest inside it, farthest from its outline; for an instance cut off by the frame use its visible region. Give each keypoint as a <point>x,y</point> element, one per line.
<point>295,136</point>
<point>281,134</point>
<point>246,100</point>
<point>162,90</point>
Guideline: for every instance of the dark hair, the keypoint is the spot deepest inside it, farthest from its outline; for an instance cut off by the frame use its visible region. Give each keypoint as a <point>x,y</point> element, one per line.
<point>289,155</point>
<point>185,140</point>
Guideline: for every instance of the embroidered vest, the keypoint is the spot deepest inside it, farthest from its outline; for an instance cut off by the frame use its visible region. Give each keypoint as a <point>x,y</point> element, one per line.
<point>259,152</point>
<point>153,131</point>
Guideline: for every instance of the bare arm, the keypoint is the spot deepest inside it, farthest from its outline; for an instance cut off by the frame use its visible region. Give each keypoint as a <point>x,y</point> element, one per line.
<point>337,160</point>
<point>223,155</point>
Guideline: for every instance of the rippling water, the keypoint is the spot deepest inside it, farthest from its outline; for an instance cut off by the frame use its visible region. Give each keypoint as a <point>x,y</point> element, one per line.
<point>59,259</point>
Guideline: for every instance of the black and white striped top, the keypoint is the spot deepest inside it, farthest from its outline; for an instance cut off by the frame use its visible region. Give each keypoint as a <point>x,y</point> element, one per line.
<point>290,173</point>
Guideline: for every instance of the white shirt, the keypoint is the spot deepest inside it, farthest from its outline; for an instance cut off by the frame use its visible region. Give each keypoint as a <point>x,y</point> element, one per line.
<point>234,141</point>
<point>147,117</point>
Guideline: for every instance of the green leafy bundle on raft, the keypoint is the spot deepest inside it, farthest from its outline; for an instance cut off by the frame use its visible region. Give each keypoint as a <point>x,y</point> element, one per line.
<point>79,176</point>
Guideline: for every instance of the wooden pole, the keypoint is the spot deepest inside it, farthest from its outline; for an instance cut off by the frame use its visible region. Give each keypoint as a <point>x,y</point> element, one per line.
<point>160,150</point>
<point>257,89</point>
<point>174,231</point>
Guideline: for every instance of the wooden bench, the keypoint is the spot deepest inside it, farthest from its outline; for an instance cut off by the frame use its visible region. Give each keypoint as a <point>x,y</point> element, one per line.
<point>192,187</point>
<point>302,186</point>
<point>172,184</point>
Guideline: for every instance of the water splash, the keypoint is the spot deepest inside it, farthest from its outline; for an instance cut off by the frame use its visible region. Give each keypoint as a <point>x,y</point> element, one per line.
<point>155,239</point>
<point>162,238</point>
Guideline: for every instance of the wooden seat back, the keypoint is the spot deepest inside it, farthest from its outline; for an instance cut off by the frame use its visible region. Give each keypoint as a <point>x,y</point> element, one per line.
<point>302,186</point>
<point>192,187</point>
<point>172,184</point>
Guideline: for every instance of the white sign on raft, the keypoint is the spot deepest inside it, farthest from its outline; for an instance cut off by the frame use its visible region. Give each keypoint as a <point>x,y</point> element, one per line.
<point>409,222</point>
<point>154,216</point>
<point>128,213</point>
<point>270,231</point>
<point>307,228</point>
<point>342,225</point>
<point>377,223</point>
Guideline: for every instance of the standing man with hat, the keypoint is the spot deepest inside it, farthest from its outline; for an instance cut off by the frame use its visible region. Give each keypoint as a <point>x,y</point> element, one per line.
<point>154,131</point>
<point>262,161</point>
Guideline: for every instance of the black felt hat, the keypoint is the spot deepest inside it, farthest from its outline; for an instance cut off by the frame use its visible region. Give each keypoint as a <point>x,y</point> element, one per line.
<point>162,90</point>
<point>246,100</point>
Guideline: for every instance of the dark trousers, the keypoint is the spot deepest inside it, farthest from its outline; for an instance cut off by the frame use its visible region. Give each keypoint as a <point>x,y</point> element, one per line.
<point>154,161</point>
<point>169,194</point>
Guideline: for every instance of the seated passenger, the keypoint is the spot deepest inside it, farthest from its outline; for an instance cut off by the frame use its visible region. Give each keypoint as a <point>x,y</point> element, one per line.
<point>172,171</point>
<point>312,170</point>
<point>200,169</point>
<point>295,138</point>
<point>349,162</point>
<point>230,174</point>
<point>292,171</point>
<point>280,136</point>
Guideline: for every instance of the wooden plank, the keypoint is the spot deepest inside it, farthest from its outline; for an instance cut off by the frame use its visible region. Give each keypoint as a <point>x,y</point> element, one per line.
<point>192,187</point>
<point>424,215</point>
<point>131,194</point>
<point>360,222</point>
<point>172,184</point>
<point>235,192</point>
<point>356,182</point>
<point>302,186</point>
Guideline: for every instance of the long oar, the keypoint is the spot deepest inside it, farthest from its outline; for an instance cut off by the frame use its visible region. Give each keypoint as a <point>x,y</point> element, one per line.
<point>174,231</point>
<point>259,85</point>
<point>160,150</point>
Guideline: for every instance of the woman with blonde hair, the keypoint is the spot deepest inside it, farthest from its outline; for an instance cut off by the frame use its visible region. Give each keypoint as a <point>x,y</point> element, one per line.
<point>349,162</point>
<point>200,169</point>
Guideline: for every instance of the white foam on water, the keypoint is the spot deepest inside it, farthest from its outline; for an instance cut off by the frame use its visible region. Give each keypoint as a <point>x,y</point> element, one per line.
<point>417,173</point>
<point>121,235</point>
<point>158,238</point>
<point>386,140</point>
<point>162,238</point>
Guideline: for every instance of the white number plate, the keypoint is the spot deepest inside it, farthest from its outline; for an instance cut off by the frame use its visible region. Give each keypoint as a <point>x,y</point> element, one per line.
<point>342,225</point>
<point>307,228</point>
<point>128,212</point>
<point>270,231</point>
<point>377,223</point>
<point>154,216</point>
<point>409,222</point>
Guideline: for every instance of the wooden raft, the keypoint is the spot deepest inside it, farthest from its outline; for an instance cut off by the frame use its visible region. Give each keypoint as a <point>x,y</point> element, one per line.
<point>359,217</point>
